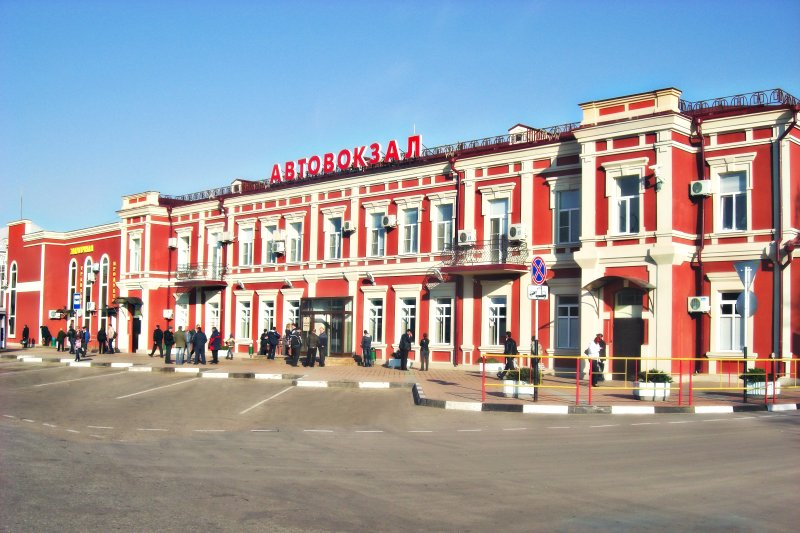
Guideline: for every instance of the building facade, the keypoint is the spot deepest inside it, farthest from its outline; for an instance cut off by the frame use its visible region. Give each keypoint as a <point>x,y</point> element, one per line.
<point>641,212</point>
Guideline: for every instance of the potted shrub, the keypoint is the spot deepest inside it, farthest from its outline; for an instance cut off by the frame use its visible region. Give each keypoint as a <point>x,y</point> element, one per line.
<point>493,366</point>
<point>516,382</point>
<point>652,385</point>
<point>755,379</point>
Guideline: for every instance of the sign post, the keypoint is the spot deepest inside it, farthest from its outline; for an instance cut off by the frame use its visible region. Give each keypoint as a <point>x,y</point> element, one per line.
<point>537,292</point>
<point>747,273</point>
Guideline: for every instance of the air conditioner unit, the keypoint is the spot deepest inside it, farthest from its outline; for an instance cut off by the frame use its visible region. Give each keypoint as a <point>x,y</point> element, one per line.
<point>168,314</point>
<point>700,188</point>
<point>225,237</point>
<point>516,232</point>
<point>91,277</point>
<point>91,306</point>
<point>466,237</point>
<point>278,247</point>
<point>96,267</point>
<point>389,221</point>
<point>172,242</point>
<point>54,314</point>
<point>698,304</point>
<point>348,227</point>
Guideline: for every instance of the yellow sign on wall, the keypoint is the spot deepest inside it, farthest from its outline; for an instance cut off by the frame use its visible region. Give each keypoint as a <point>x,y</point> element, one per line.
<point>86,249</point>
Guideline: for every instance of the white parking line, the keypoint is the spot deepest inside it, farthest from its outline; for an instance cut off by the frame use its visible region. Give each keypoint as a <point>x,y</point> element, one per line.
<point>645,424</point>
<point>151,429</point>
<point>26,371</point>
<point>73,431</point>
<point>9,416</point>
<point>369,431</point>
<point>263,430</point>
<point>28,420</point>
<point>209,430</point>
<point>264,401</point>
<point>156,388</point>
<point>420,431</point>
<point>318,430</point>
<point>682,421</point>
<point>514,429</point>
<point>558,427</point>
<point>76,379</point>
<point>49,425</point>
<point>469,430</point>
<point>605,426</point>
<point>97,436</point>
<point>100,427</point>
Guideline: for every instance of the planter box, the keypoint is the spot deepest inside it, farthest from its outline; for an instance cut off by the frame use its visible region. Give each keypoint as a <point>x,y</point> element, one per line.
<point>510,388</point>
<point>525,389</point>
<point>757,389</point>
<point>491,368</point>
<point>651,391</point>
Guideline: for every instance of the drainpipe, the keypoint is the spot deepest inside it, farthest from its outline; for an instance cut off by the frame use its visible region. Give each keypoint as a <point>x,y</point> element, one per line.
<point>700,273</point>
<point>169,263</point>
<point>777,224</point>
<point>458,279</point>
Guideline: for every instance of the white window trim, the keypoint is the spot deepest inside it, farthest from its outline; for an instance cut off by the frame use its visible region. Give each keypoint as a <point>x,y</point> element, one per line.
<point>565,287</point>
<point>726,282</point>
<point>243,297</point>
<point>729,164</point>
<point>503,191</point>
<point>436,201</point>
<point>404,204</point>
<point>402,292</point>
<point>330,213</point>
<point>494,289</point>
<point>443,290</point>
<point>136,235</point>
<point>245,225</point>
<point>619,169</point>
<point>559,184</point>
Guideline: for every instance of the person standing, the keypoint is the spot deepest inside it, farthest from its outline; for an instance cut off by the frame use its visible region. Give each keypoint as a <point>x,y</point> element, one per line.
<point>322,346</point>
<point>25,336</point>
<point>169,340</point>
<point>510,348</point>
<point>424,352</point>
<point>199,346</point>
<point>405,347</point>
<point>273,339</point>
<point>78,344</point>
<point>111,335</point>
<point>263,345</point>
<point>86,338</point>
<point>593,351</point>
<point>214,344</point>
<point>295,342</point>
<point>190,345</point>
<point>101,340</point>
<point>366,346</point>
<point>230,344</point>
<point>72,337</point>
<point>158,338</point>
<point>311,354</point>
<point>287,335</point>
<point>180,345</point>
<point>60,340</point>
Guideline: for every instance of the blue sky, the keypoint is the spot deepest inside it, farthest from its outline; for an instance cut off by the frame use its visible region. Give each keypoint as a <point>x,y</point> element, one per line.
<point>104,98</point>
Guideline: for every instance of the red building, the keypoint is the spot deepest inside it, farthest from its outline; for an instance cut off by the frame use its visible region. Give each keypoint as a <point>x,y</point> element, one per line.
<point>640,212</point>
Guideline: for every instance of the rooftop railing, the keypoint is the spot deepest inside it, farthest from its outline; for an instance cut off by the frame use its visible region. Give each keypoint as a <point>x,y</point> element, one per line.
<point>772,97</point>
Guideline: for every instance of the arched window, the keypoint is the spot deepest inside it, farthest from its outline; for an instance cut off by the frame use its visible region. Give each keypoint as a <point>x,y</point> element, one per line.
<point>89,277</point>
<point>12,300</point>
<point>103,297</point>
<point>73,282</point>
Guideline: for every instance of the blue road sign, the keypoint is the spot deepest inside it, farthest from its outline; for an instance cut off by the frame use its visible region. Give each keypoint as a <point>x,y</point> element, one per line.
<point>538,270</point>
<point>76,300</point>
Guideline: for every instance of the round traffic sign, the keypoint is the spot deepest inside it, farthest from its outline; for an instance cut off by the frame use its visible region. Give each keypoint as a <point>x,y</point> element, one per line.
<point>538,270</point>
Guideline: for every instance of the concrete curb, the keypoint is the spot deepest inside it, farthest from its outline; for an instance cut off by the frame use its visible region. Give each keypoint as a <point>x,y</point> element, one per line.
<point>418,394</point>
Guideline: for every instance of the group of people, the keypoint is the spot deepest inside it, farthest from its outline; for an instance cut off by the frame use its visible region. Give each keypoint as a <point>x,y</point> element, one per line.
<point>403,349</point>
<point>317,345</point>
<point>79,340</point>
<point>190,345</point>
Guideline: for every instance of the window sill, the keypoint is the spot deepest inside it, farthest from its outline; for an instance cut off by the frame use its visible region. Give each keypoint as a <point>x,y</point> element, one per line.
<point>730,355</point>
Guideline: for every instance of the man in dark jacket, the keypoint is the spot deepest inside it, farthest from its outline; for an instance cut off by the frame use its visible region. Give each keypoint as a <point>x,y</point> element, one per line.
<point>273,339</point>
<point>322,345</point>
<point>25,336</point>
<point>263,345</point>
<point>158,338</point>
<point>169,340</point>
<point>71,334</point>
<point>199,343</point>
<point>214,344</point>
<point>60,341</point>
<point>101,339</point>
<point>366,346</point>
<point>509,348</point>
<point>311,354</point>
<point>295,342</point>
<point>404,348</point>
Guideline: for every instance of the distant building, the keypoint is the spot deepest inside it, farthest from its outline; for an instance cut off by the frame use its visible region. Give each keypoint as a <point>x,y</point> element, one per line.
<point>639,213</point>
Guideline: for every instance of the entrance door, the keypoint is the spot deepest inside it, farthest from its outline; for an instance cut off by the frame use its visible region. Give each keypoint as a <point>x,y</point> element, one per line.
<point>137,329</point>
<point>628,337</point>
<point>333,314</point>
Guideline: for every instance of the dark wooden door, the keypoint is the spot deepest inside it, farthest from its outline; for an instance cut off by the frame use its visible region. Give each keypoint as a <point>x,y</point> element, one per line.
<point>628,337</point>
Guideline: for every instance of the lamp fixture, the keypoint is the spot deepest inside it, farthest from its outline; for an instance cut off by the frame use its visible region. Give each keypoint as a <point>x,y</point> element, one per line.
<point>370,277</point>
<point>287,282</point>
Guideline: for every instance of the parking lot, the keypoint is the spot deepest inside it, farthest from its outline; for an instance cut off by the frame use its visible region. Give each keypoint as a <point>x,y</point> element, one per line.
<point>90,449</point>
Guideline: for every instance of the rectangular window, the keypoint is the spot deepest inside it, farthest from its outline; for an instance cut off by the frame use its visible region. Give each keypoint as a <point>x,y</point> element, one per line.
<point>569,216</point>
<point>334,234</point>
<point>567,322</point>
<point>212,316</point>
<point>267,315</point>
<point>408,315</point>
<point>733,201</point>
<point>136,254</point>
<point>731,336</point>
<point>377,236</point>
<point>295,242</point>
<point>182,311</point>
<point>375,320</point>
<point>269,232</point>
<point>246,247</point>
<point>498,231</point>
<point>244,320</point>
<point>410,231</point>
<point>215,254</point>
<point>444,227</point>
<point>628,204</point>
<point>497,319</point>
<point>293,311</point>
<point>183,252</point>
<point>443,316</point>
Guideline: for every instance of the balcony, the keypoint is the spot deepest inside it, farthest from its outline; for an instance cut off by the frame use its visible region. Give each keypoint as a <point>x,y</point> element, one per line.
<point>494,256</point>
<point>200,275</point>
